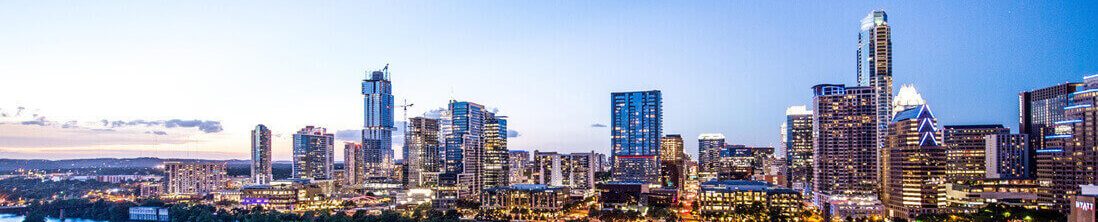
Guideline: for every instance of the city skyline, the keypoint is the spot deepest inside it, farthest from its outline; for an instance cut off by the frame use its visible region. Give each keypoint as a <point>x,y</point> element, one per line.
<point>162,88</point>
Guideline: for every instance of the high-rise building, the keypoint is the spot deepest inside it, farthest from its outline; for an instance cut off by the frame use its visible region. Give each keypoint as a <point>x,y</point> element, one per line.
<point>845,178</point>
<point>1068,157</point>
<point>1039,109</point>
<point>1007,156</point>
<point>314,150</point>
<point>875,68</point>
<point>354,163</point>
<point>521,167</point>
<point>637,125</point>
<point>494,158</point>
<point>261,155</point>
<point>913,172</point>
<point>194,178</point>
<point>377,134</point>
<point>421,152</point>
<point>798,148</point>
<point>672,161</point>
<point>965,146</point>
<point>709,151</point>
<point>580,168</point>
<point>549,168</point>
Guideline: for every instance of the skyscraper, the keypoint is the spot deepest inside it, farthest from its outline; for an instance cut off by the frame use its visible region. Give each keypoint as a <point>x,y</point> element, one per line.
<point>261,155</point>
<point>798,148</point>
<point>875,67</point>
<point>194,177</point>
<point>913,174</point>
<point>1039,109</point>
<point>672,160</point>
<point>845,178</point>
<point>965,146</point>
<point>1068,157</point>
<point>377,134</point>
<point>494,158</point>
<point>421,152</point>
<point>1007,156</point>
<point>521,167</point>
<point>313,153</point>
<point>354,163</point>
<point>709,151</point>
<point>637,125</point>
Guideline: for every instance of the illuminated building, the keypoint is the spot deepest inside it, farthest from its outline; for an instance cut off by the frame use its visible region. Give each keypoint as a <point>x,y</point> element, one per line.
<point>965,150</point>
<point>797,138</point>
<point>354,163</point>
<point>672,159</point>
<point>913,172</point>
<point>637,125</point>
<point>736,162</point>
<point>720,200</point>
<point>709,151</point>
<point>576,170</point>
<point>875,68</point>
<point>845,181</point>
<point>377,134</point>
<point>1083,208</point>
<point>625,196</point>
<point>313,153</point>
<point>494,159</point>
<point>194,178</point>
<point>761,159</point>
<point>462,129</point>
<point>1007,156</point>
<point>970,196</point>
<point>261,155</point>
<point>283,195</point>
<point>415,197</point>
<point>521,167</point>
<point>1069,156</point>
<point>1039,109</point>
<point>421,153</point>
<point>525,196</point>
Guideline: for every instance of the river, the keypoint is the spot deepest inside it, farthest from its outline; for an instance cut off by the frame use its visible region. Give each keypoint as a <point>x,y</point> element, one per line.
<point>19,218</point>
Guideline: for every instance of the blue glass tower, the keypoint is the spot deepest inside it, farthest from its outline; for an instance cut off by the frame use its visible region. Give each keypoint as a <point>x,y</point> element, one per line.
<point>637,125</point>
<point>377,135</point>
<point>462,127</point>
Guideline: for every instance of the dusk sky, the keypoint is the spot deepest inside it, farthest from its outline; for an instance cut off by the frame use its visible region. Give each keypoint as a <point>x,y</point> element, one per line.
<point>191,79</point>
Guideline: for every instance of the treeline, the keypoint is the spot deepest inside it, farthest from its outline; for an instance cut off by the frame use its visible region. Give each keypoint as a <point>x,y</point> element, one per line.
<point>998,212</point>
<point>79,208</point>
<point>119,211</point>
<point>35,189</point>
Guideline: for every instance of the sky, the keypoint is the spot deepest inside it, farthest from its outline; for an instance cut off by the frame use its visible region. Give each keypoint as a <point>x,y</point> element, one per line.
<point>190,79</point>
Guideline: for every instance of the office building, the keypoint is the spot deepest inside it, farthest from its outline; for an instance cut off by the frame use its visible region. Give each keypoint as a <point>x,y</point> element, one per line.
<point>494,159</point>
<point>314,150</point>
<point>1007,156</point>
<point>261,155</point>
<point>637,125</point>
<point>709,151</point>
<point>377,134</point>
<point>549,168</point>
<point>672,160</point>
<point>875,68</point>
<point>519,198</point>
<point>970,196</point>
<point>194,178</point>
<point>422,158</point>
<point>719,199</point>
<point>580,168</point>
<point>736,162</point>
<point>845,180</point>
<point>1069,155</point>
<point>913,172</point>
<point>354,163</point>
<point>1039,109</point>
<point>462,130</point>
<point>965,150</point>
<point>797,140</point>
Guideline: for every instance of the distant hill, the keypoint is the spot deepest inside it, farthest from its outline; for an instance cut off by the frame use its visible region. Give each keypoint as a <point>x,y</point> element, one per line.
<point>97,163</point>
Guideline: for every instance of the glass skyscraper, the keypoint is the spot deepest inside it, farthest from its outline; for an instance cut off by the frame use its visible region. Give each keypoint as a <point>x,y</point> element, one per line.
<point>377,134</point>
<point>637,125</point>
<point>875,68</point>
<point>261,155</point>
<point>798,148</point>
<point>314,150</point>
<point>421,152</point>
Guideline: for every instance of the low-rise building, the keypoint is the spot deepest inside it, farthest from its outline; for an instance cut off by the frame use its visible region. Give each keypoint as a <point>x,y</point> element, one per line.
<point>285,195</point>
<point>149,214</point>
<point>524,196</point>
<point>735,200</point>
<point>967,198</point>
<point>194,178</point>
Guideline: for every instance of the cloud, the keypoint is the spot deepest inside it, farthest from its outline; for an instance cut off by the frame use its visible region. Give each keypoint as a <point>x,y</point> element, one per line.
<point>513,133</point>
<point>52,136</point>
<point>349,135</point>
<point>205,126</point>
<point>162,133</point>
<point>598,125</point>
<point>434,113</point>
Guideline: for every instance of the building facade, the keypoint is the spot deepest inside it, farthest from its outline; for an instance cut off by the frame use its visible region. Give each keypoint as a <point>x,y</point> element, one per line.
<point>875,67</point>
<point>965,150</point>
<point>672,161</point>
<point>1068,157</point>
<point>637,125</point>
<point>798,148</point>
<point>914,169</point>
<point>521,167</point>
<point>1008,157</point>
<point>377,132</point>
<point>354,163</point>
<point>314,150</point>
<point>733,200</point>
<point>709,151</point>
<point>845,181</point>
<point>261,155</point>
<point>194,178</point>
<point>422,158</point>
<point>494,158</point>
